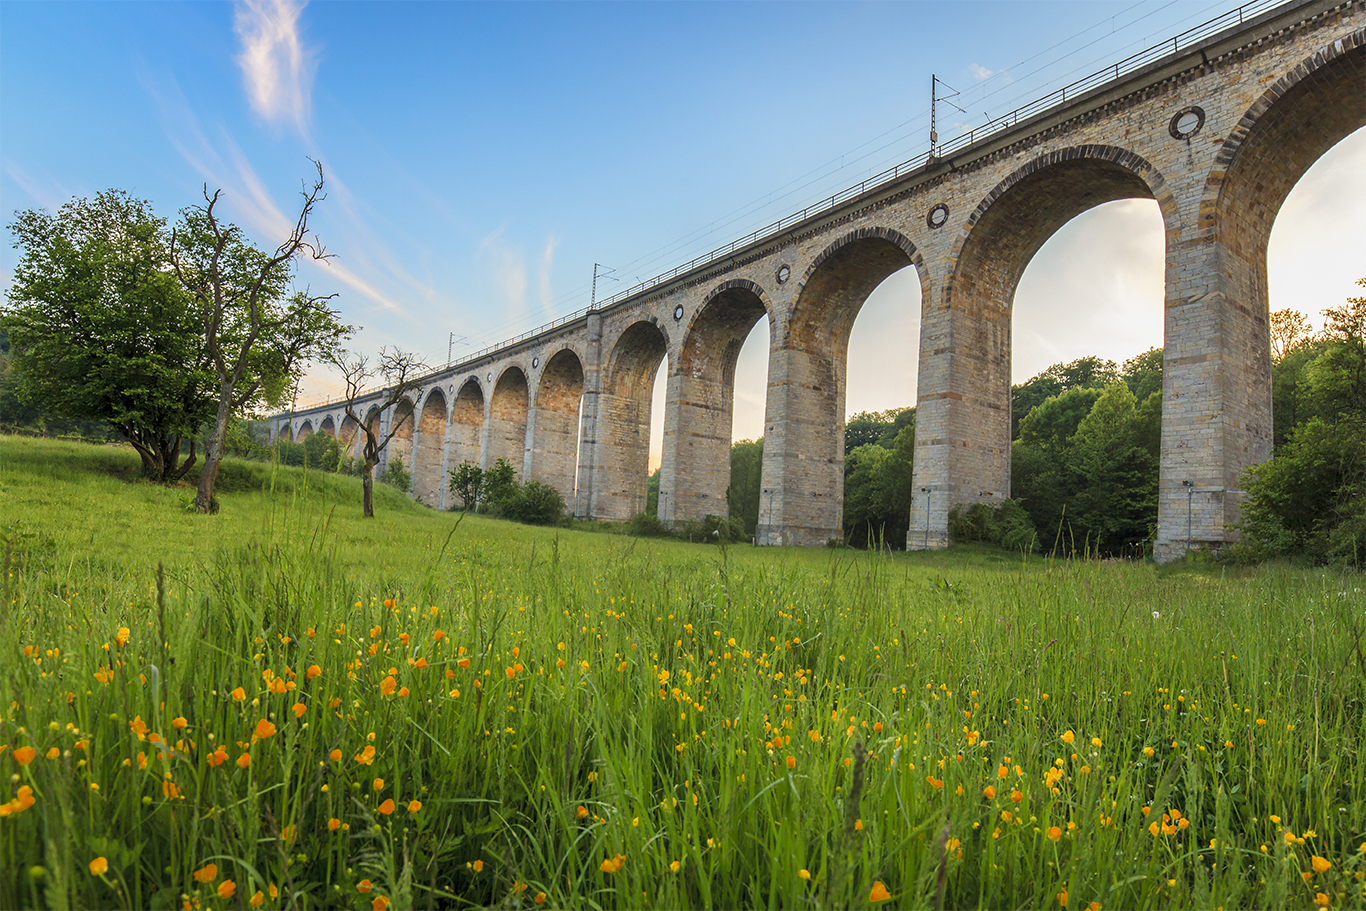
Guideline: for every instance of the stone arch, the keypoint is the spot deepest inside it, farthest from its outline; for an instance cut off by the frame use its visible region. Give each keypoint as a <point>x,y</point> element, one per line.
<point>402,423</point>
<point>303,431</point>
<point>346,435</point>
<point>697,432</point>
<point>329,427</point>
<point>623,427</point>
<point>803,473</point>
<point>508,418</point>
<point>1217,416</point>
<point>963,399</point>
<point>429,449</point>
<point>555,437</point>
<point>467,423</point>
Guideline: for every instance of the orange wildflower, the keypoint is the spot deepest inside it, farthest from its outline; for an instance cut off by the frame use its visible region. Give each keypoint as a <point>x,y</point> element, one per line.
<point>381,903</point>
<point>264,729</point>
<point>387,808</point>
<point>364,886</point>
<point>314,671</point>
<point>227,888</point>
<point>180,724</point>
<point>244,760</point>
<point>387,686</point>
<point>298,709</point>
<point>879,892</point>
<point>24,755</point>
<point>239,694</point>
<point>207,874</point>
<point>414,806</point>
<point>99,866</point>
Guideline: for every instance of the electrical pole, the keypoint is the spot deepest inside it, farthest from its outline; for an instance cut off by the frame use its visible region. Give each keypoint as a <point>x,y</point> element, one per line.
<point>593,295</point>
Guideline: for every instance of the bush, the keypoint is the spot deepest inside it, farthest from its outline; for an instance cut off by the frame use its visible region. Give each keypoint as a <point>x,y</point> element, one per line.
<point>395,475</point>
<point>534,503</point>
<point>1008,526</point>
<point>647,525</point>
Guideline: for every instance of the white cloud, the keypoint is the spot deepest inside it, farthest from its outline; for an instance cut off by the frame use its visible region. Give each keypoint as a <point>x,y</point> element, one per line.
<point>980,72</point>
<point>278,69</point>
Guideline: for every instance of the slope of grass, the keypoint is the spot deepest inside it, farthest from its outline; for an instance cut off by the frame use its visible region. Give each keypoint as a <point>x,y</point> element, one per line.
<point>314,710</point>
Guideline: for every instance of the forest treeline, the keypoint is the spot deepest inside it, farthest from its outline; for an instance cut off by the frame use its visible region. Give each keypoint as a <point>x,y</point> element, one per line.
<point>1086,438</point>
<point>1085,449</point>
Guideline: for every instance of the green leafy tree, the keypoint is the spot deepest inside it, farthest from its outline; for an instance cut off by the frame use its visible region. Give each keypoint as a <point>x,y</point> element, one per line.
<point>467,483</point>
<point>746,474</point>
<point>1310,499</point>
<point>500,488</point>
<point>1085,372</point>
<point>257,337</point>
<point>863,429</point>
<point>1052,424</point>
<point>394,474</point>
<point>1116,499</point>
<point>877,491</point>
<point>1142,373</point>
<point>652,493</point>
<point>101,330</point>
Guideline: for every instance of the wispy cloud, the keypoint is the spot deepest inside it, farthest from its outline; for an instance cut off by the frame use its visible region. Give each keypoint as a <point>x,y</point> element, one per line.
<point>509,270</point>
<point>980,72</point>
<point>48,192</point>
<point>221,163</point>
<point>547,262</point>
<point>276,65</point>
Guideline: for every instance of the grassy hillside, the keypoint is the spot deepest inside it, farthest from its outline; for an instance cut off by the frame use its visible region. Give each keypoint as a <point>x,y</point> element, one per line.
<point>315,710</point>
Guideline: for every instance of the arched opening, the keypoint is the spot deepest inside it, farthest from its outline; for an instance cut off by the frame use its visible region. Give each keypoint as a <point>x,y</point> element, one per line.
<point>429,449</point>
<point>695,475</point>
<point>304,431</point>
<point>963,454</point>
<point>329,427</point>
<point>1218,339</point>
<point>803,475</point>
<point>507,419</point>
<point>623,464</point>
<point>467,424</point>
<point>347,436</point>
<point>1087,314</point>
<point>401,444</point>
<point>555,448</point>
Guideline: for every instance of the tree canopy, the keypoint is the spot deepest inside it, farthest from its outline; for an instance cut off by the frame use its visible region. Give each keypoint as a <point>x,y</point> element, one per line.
<point>102,330</point>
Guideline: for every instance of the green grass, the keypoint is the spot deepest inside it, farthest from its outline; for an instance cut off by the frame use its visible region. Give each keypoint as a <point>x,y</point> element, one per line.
<point>606,722</point>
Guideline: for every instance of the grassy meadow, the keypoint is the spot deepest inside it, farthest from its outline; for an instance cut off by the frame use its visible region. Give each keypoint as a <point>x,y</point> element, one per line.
<point>285,705</point>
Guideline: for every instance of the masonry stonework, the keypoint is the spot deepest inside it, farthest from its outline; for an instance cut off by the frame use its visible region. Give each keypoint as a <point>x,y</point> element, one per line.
<point>1217,134</point>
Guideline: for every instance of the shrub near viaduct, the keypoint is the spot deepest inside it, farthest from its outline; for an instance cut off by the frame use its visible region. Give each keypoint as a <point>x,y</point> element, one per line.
<point>1217,129</point>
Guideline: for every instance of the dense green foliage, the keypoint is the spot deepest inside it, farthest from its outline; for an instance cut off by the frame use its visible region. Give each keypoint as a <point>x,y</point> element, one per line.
<point>497,491</point>
<point>310,709</point>
<point>1310,499</point>
<point>102,331</point>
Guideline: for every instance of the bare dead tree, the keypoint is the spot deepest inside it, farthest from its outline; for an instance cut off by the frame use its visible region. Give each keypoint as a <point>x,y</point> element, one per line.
<point>399,371</point>
<point>256,338</point>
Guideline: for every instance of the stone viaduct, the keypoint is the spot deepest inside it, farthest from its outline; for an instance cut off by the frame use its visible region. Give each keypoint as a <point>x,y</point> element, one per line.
<point>1217,127</point>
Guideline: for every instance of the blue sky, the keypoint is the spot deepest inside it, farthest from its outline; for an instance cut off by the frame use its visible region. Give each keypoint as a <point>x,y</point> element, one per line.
<point>481,157</point>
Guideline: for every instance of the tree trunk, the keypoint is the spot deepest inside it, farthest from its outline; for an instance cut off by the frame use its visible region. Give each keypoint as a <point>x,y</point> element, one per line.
<point>213,452</point>
<point>367,483</point>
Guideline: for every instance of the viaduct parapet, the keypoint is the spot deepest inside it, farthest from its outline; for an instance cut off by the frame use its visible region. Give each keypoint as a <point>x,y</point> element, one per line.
<point>1217,131</point>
